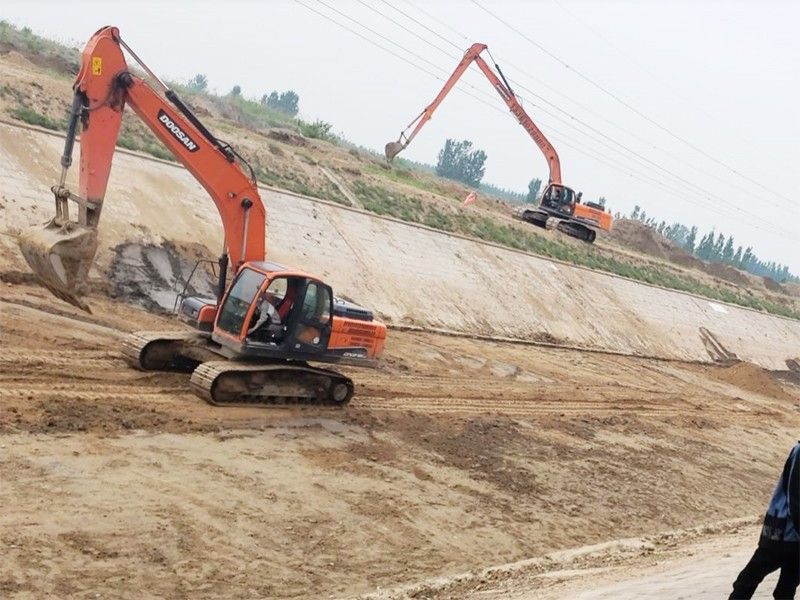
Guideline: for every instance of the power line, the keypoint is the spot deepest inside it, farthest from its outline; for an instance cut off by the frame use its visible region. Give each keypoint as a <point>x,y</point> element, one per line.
<point>414,33</point>
<point>365,38</point>
<point>569,115</point>
<point>405,14</point>
<point>679,94</point>
<point>438,20</point>
<point>703,193</point>
<point>349,18</point>
<point>683,96</point>
<point>629,106</point>
<point>624,169</point>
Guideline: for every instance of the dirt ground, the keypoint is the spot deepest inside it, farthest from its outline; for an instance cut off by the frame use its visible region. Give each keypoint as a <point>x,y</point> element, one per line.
<point>571,470</point>
<point>454,456</point>
<point>698,563</point>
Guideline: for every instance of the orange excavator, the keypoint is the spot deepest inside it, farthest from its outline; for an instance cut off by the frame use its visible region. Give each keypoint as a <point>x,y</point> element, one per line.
<point>558,202</point>
<point>253,342</point>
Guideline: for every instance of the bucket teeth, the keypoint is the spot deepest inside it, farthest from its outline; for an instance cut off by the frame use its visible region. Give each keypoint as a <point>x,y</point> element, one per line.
<point>392,149</point>
<point>60,256</point>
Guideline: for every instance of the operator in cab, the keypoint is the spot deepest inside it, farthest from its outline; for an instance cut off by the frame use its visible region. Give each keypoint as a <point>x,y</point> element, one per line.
<point>268,326</point>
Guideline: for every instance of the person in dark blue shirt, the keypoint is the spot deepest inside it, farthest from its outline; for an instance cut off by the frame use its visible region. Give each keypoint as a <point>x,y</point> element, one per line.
<point>779,543</point>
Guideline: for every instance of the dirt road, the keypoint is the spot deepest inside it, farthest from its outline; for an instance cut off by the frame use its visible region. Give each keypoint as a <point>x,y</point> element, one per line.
<point>696,564</point>
<point>456,455</point>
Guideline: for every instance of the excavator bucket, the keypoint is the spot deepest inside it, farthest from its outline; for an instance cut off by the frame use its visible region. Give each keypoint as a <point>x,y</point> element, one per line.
<point>60,256</point>
<point>393,149</point>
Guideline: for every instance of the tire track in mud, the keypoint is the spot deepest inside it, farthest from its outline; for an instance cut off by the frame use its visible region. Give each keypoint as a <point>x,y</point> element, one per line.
<point>470,396</point>
<point>96,374</point>
<point>489,406</point>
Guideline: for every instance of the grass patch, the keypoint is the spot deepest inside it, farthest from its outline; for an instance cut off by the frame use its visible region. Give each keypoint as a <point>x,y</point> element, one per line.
<point>32,117</point>
<point>319,130</point>
<point>299,184</point>
<point>382,202</point>
<point>39,50</point>
<point>306,158</point>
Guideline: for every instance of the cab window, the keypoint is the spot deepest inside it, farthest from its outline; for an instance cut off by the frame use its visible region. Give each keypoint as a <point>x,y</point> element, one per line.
<point>317,304</point>
<point>242,294</point>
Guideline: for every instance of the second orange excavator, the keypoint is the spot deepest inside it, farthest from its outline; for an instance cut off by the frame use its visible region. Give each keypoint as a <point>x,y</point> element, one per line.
<point>558,203</point>
<point>253,342</point>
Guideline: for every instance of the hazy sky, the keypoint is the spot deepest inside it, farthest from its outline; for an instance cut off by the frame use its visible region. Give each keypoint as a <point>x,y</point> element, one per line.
<point>709,136</point>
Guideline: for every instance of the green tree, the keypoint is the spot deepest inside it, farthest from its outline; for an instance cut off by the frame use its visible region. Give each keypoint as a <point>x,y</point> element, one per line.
<point>457,160</point>
<point>737,258</point>
<point>236,91</point>
<point>747,258</point>
<point>705,249</point>
<point>287,102</point>
<point>318,129</point>
<point>727,251</point>
<point>198,83</point>
<point>636,211</point>
<point>533,190</point>
<point>691,239</point>
<point>716,252</point>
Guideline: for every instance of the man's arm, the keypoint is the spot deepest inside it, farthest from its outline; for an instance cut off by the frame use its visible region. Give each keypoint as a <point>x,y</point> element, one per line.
<point>263,315</point>
<point>793,486</point>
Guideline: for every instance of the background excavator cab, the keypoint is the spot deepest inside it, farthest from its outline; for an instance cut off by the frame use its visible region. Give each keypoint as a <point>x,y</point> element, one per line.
<point>559,198</point>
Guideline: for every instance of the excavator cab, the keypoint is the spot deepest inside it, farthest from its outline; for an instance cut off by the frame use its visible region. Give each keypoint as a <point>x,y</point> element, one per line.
<point>269,311</point>
<point>559,199</point>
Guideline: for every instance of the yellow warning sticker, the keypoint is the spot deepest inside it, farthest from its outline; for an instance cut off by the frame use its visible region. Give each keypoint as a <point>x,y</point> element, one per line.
<point>97,65</point>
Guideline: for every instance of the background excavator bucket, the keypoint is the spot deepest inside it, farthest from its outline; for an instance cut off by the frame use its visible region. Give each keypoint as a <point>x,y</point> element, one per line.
<point>60,257</point>
<point>393,149</point>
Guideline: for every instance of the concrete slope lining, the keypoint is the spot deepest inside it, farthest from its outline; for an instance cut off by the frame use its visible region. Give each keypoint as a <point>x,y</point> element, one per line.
<point>407,273</point>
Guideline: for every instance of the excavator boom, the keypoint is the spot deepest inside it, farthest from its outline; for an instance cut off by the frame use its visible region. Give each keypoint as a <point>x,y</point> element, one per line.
<point>506,93</point>
<point>61,252</point>
<point>252,344</point>
<point>557,201</point>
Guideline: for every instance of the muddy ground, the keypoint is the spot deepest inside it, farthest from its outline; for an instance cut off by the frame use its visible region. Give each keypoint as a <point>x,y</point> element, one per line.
<point>455,455</point>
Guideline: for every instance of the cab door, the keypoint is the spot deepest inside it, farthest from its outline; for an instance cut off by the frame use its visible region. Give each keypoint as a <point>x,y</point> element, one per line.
<point>312,323</point>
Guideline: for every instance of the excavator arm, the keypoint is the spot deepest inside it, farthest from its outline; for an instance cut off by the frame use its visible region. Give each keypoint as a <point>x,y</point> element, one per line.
<point>62,252</point>
<point>506,93</point>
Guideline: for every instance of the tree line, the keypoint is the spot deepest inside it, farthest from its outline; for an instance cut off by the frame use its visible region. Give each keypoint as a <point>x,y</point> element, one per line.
<point>459,161</point>
<point>287,102</point>
<point>715,247</point>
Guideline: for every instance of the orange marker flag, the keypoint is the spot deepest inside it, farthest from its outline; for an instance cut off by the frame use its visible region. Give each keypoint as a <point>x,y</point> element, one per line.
<point>471,197</point>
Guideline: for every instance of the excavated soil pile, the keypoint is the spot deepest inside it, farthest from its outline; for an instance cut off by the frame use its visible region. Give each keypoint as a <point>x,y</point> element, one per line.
<point>773,286</point>
<point>748,376</point>
<point>638,236</point>
<point>725,272</point>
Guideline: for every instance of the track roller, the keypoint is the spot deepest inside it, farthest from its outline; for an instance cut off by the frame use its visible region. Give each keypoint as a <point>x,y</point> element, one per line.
<point>536,217</point>
<point>577,230</point>
<point>230,383</point>
<point>159,351</point>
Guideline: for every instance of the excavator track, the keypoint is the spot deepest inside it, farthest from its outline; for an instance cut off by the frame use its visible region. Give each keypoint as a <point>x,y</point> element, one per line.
<point>229,383</point>
<point>577,230</point>
<point>158,351</point>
